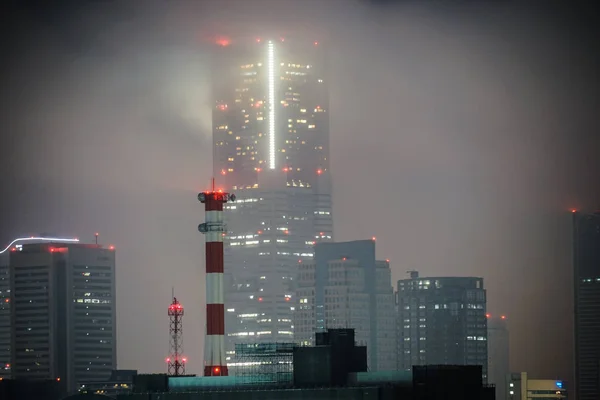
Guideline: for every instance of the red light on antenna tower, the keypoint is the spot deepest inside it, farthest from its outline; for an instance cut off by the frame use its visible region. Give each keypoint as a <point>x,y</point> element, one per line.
<point>503,317</point>
<point>316,43</point>
<point>176,364</point>
<point>488,315</point>
<point>319,171</point>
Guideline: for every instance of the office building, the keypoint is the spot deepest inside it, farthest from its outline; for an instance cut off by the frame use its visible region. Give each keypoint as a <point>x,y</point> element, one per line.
<point>270,229</point>
<point>520,387</point>
<point>498,353</point>
<point>271,149</point>
<point>63,312</point>
<point>586,265</point>
<point>5,298</point>
<point>346,287</point>
<point>442,320</point>
<point>4,316</point>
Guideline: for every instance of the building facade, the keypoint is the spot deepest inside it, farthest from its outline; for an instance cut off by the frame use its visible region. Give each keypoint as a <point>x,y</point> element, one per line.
<point>346,287</point>
<point>269,232</point>
<point>442,320</point>
<point>271,149</point>
<point>63,312</point>
<point>520,387</point>
<point>586,265</point>
<point>4,316</point>
<point>5,298</point>
<point>498,353</point>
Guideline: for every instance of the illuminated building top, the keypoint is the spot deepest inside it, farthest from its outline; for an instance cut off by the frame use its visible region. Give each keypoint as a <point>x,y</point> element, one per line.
<point>270,111</point>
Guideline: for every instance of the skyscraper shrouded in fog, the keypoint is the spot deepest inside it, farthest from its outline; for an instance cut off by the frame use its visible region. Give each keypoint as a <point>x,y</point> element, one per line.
<point>346,287</point>
<point>442,320</point>
<point>63,312</point>
<point>586,264</point>
<point>270,148</point>
<point>498,353</point>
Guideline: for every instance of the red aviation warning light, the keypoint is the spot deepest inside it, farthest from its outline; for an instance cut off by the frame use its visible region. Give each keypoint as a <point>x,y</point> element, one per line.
<point>223,41</point>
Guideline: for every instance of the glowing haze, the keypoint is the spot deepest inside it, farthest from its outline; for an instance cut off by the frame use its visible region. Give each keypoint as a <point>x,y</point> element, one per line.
<point>470,125</point>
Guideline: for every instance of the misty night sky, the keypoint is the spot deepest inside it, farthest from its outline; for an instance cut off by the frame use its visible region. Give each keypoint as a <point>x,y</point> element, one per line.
<point>471,127</point>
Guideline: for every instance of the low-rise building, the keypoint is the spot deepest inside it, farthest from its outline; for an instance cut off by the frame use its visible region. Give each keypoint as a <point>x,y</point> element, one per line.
<point>520,387</point>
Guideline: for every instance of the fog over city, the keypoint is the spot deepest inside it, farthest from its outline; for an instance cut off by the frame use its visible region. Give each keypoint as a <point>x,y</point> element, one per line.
<point>462,134</point>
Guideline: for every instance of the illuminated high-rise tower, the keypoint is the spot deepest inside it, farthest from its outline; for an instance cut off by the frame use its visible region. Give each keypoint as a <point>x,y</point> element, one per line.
<point>271,111</point>
<point>271,145</point>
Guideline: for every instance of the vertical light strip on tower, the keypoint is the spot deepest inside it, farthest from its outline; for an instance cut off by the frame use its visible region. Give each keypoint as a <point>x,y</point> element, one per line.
<point>271,79</point>
<point>214,229</point>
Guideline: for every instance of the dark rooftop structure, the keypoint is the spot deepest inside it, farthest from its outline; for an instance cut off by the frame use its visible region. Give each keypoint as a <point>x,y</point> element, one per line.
<point>333,369</point>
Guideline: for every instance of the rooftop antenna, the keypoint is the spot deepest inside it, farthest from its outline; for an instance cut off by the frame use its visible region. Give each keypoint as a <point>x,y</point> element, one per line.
<point>96,235</point>
<point>213,183</point>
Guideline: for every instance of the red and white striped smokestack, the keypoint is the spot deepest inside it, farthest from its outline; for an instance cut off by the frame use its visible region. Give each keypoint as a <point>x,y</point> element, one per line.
<point>214,229</point>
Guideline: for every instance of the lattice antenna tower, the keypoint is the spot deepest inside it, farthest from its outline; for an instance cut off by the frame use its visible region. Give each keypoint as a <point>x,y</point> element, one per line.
<point>176,360</point>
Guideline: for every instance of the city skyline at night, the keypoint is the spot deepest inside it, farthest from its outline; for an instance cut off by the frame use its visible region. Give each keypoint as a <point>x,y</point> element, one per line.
<point>460,136</point>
